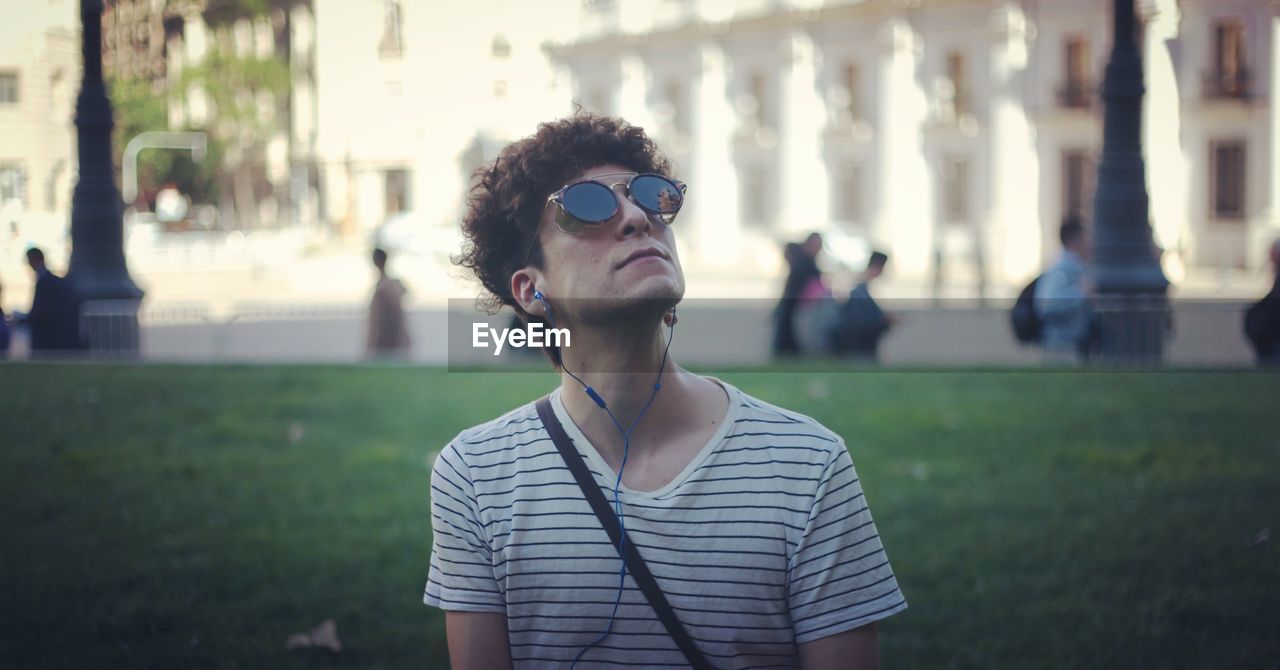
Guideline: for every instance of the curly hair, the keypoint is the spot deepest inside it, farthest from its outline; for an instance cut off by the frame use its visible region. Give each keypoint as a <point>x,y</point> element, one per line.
<point>506,204</point>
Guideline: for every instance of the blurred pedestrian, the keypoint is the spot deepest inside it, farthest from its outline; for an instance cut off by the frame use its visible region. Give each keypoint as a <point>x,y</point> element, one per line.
<point>803,289</point>
<point>54,319</point>
<point>388,333</point>
<point>784,331</point>
<point>861,322</point>
<point>816,308</point>
<point>1262,320</point>
<point>1061,300</point>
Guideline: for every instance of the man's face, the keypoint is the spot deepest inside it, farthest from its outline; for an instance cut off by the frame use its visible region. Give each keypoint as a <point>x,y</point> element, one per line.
<point>813,245</point>
<point>1082,245</point>
<point>629,262</point>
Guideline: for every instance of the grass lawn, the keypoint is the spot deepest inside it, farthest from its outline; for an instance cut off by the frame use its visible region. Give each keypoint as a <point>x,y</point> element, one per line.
<point>180,517</point>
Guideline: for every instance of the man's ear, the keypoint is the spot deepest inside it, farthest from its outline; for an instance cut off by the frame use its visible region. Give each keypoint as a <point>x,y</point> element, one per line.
<point>524,282</point>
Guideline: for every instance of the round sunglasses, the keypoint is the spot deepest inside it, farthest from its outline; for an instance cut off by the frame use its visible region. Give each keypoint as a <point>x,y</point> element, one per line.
<point>590,203</point>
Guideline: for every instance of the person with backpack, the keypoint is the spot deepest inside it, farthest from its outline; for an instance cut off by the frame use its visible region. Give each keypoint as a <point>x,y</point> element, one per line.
<point>861,322</point>
<point>1061,300</point>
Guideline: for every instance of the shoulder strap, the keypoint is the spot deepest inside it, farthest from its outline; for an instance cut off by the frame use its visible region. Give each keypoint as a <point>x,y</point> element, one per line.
<point>635,564</point>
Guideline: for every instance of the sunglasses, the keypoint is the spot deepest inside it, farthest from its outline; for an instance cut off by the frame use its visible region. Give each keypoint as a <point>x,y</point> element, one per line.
<point>590,203</point>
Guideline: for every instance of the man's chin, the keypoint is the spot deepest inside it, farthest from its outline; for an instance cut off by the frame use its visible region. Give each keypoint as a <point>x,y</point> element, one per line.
<point>635,308</point>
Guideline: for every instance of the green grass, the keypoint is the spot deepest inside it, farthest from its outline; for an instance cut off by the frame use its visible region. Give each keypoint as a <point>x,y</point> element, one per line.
<point>161,517</point>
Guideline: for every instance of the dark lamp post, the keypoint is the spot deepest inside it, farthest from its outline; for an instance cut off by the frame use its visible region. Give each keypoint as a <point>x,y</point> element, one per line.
<point>1130,287</point>
<point>109,316</point>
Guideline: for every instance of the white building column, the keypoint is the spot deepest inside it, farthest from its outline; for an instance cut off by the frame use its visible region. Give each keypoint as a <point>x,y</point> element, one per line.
<point>711,222</point>
<point>904,211</point>
<point>1168,170</point>
<point>633,91</point>
<point>1011,225</point>
<point>804,181</point>
<point>1258,253</point>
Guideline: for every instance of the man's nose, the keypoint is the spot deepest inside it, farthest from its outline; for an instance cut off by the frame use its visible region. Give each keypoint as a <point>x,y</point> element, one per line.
<point>632,219</point>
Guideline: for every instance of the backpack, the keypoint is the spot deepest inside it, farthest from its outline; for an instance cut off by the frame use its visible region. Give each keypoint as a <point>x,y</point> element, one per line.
<point>1026,323</point>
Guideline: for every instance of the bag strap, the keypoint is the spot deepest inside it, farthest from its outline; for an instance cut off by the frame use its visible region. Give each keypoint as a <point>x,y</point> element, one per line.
<point>635,564</point>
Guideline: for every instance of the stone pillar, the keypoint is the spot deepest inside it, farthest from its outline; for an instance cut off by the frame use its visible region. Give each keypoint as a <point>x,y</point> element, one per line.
<point>904,210</point>
<point>1011,234</point>
<point>633,102</point>
<point>714,222</point>
<point>805,201</point>
<point>1258,255</point>
<point>1168,168</point>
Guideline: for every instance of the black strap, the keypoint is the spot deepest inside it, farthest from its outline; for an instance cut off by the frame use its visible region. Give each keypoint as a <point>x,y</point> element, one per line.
<point>635,564</point>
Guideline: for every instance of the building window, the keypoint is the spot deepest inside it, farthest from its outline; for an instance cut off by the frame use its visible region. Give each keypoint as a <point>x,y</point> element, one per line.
<point>1075,91</point>
<point>13,183</point>
<point>392,43</point>
<point>1078,180</point>
<point>8,88</point>
<point>500,48</point>
<point>1229,77</point>
<point>599,101</point>
<point>758,86</point>
<point>955,190</point>
<point>851,85</point>
<point>846,192</point>
<point>756,198</point>
<point>396,190</point>
<point>674,98</point>
<point>957,78</point>
<point>1227,180</point>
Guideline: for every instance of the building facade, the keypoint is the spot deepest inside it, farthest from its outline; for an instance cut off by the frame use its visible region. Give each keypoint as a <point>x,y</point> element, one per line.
<point>39,80</point>
<point>956,134</point>
<point>270,178</point>
<point>413,96</point>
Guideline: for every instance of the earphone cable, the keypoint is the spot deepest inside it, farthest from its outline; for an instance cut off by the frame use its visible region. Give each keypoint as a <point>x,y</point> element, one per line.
<point>626,449</point>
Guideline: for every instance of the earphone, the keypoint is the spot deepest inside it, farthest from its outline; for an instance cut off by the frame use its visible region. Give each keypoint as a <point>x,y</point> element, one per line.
<point>626,444</point>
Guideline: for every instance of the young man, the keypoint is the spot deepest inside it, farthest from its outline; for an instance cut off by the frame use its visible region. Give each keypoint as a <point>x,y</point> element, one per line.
<point>54,318</point>
<point>750,517</point>
<point>1061,300</point>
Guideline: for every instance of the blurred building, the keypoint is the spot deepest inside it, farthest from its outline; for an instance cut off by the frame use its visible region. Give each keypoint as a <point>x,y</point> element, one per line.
<point>270,174</point>
<point>414,96</point>
<point>956,133</point>
<point>39,79</point>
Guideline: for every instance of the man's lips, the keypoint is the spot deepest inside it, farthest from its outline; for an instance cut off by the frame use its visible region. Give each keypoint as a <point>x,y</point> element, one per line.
<point>642,253</point>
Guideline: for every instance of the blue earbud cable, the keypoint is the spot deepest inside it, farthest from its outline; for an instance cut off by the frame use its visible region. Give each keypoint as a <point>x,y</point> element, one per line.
<point>626,448</point>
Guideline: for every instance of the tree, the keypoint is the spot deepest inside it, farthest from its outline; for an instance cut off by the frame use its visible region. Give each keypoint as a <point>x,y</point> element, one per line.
<point>243,92</point>
<point>140,109</point>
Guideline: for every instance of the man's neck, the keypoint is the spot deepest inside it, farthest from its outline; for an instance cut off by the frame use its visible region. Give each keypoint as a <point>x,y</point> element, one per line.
<point>620,363</point>
<point>622,367</point>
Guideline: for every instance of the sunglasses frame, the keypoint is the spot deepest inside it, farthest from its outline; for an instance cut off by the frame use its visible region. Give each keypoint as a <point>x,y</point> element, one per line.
<point>563,213</point>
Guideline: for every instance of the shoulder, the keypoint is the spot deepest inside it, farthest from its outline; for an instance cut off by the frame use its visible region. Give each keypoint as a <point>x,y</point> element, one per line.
<point>770,426</point>
<point>500,433</point>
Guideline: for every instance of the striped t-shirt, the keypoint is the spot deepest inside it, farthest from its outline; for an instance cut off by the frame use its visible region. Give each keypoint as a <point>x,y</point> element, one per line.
<point>762,542</point>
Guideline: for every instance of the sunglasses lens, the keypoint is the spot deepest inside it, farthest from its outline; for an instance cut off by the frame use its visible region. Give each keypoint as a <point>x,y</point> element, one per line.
<point>590,202</point>
<point>657,194</point>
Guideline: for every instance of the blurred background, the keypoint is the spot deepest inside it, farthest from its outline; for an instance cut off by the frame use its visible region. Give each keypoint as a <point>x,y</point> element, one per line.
<point>178,514</point>
<point>263,147</point>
